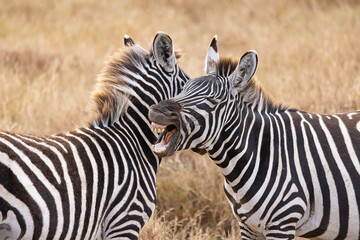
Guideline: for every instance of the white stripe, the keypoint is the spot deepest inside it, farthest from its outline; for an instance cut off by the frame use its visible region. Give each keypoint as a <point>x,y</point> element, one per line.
<point>57,143</point>
<point>350,115</point>
<point>83,184</point>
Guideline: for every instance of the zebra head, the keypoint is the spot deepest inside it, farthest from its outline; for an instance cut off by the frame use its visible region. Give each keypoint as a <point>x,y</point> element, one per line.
<point>200,116</point>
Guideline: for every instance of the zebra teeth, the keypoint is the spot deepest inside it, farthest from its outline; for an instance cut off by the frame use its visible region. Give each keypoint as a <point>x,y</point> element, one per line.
<point>157,128</point>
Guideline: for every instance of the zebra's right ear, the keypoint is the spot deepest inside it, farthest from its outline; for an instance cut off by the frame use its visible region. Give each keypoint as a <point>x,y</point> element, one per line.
<point>244,71</point>
<point>164,51</point>
<point>212,58</point>
<point>128,42</point>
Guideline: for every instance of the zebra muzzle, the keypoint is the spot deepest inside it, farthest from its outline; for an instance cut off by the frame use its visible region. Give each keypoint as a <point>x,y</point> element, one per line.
<point>165,120</point>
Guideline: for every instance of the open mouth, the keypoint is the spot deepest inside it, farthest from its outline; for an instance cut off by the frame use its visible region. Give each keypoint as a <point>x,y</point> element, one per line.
<point>165,145</point>
<point>165,120</point>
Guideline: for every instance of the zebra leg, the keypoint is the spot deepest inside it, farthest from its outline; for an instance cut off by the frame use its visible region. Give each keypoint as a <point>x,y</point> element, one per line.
<point>248,234</point>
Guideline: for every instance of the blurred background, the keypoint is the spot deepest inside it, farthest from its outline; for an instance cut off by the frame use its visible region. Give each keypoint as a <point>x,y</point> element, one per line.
<point>52,51</point>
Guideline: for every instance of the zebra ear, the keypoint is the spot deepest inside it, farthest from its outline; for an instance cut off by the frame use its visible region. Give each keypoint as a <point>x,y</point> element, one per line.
<point>164,51</point>
<point>212,58</point>
<point>244,71</point>
<point>128,42</point>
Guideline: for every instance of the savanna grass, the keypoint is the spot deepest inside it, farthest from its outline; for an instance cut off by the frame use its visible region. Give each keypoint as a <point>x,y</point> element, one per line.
<point>52,51</point>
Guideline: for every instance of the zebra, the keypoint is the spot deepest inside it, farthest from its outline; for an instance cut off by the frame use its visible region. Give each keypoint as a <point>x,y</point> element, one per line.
<point>286,172</point>
<point>96,182</point>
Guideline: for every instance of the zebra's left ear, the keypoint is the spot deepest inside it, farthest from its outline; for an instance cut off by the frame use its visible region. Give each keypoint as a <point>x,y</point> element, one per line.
<point>164,51</point>
<point>244,71</point>
<point>128,42</point>
<point>212,58</point>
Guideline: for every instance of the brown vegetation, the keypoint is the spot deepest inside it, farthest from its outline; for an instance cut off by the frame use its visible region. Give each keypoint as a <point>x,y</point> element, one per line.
<point>52,51</point>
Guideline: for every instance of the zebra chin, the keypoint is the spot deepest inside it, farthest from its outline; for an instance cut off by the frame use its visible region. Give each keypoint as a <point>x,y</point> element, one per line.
<point>166,123</point>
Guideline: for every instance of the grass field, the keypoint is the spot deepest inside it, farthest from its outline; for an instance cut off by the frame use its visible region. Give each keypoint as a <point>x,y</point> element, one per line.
<point>52,51</point>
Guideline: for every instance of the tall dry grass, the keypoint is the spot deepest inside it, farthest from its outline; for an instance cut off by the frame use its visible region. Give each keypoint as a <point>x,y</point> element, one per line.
<point>51,52</point>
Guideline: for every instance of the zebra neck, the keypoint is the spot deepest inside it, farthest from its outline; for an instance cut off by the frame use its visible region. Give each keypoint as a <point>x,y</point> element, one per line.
<point>137,114</point>
<point>244,145</point>
<point>138,128</point>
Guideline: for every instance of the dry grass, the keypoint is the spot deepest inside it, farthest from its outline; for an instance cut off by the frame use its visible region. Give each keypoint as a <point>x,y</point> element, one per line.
<point>51,52</point>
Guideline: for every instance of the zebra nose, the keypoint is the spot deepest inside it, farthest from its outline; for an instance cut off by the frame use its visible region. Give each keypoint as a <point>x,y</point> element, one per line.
<point>165,111</point>
<point>167,107</point>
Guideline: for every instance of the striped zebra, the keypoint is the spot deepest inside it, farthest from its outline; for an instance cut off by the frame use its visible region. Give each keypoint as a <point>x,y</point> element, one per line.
<point>97,182</point>
<point>287,172</point>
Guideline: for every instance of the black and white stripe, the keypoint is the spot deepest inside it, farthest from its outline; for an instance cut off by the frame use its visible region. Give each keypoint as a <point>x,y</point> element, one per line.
<point>287,172</point>
<point>97,182</point>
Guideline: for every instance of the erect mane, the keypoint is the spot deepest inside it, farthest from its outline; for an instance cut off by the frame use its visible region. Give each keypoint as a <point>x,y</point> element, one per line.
<point>115,84</point>
<point>253,93</point>
<point>113,89</point>
<point>226,66</point>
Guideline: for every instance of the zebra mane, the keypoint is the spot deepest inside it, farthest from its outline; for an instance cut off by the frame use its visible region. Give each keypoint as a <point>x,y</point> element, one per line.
<point>112,92</point>
<point>226,66</point>
<point>253,94</point>
<point>114,85</point>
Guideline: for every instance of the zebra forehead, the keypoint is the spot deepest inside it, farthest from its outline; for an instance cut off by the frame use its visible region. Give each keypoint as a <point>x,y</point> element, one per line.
<point>226,66</point>
<point>203,80</point>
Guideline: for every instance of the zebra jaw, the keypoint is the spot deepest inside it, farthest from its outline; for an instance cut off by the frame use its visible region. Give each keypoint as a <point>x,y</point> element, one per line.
<point>166,134</point>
